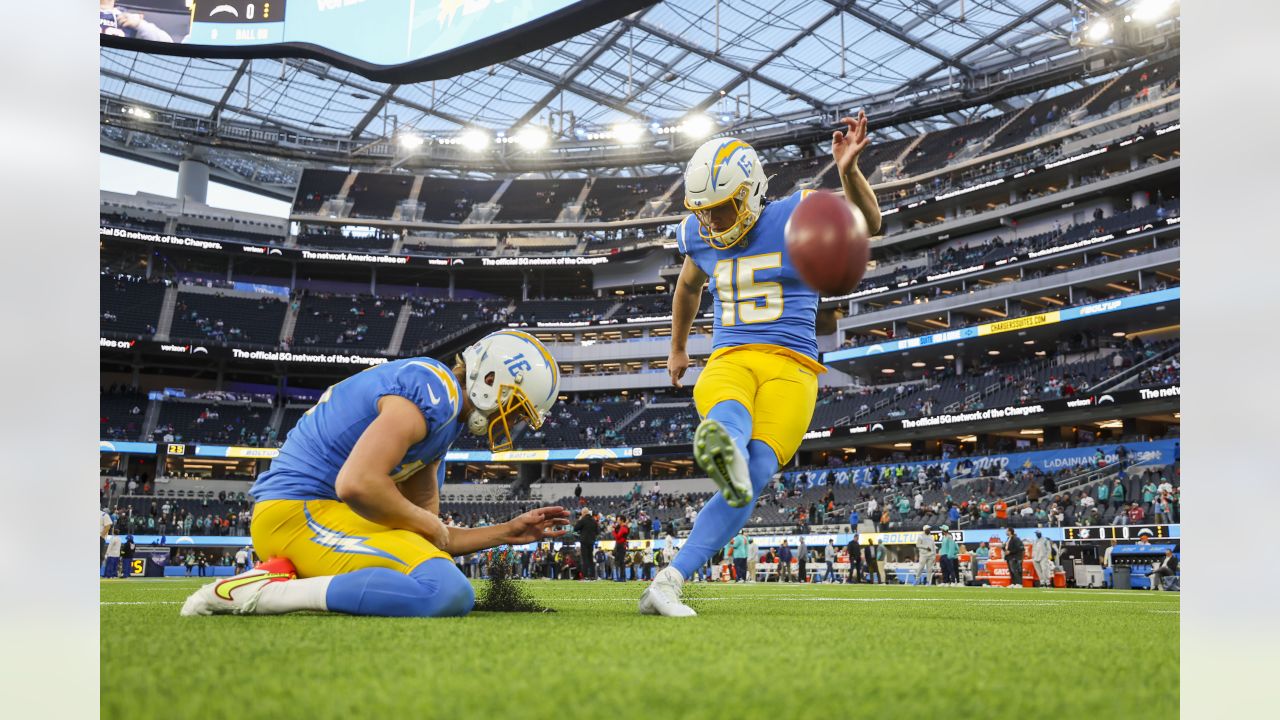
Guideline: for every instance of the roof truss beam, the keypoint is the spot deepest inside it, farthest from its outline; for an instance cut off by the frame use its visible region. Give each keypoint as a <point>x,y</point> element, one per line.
<point>614,34</point>
<point>231,88</point>
<point>560,84</point>
<point>374,109</point>
<point>743,72</point>
<point>144,82</point>
<point>983,41</point>
<point>897,32</point>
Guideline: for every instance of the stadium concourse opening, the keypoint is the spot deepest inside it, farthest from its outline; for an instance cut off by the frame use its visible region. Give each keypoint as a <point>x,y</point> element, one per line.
<point>487,227</point>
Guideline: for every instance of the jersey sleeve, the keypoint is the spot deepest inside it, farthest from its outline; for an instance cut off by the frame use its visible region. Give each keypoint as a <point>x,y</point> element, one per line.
<point>429,387</point>
<point>686,233</point>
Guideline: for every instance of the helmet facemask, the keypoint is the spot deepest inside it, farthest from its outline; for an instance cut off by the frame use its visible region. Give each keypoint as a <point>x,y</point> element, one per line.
<point>498,424</point>
<point>744,219</point>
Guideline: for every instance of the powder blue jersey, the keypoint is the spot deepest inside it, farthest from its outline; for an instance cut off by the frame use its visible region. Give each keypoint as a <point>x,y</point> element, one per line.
<point>759,298</point>
<point>315,449</point>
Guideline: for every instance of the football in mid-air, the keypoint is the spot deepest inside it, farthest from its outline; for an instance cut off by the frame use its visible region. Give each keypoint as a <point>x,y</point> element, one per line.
<point>828,242</point>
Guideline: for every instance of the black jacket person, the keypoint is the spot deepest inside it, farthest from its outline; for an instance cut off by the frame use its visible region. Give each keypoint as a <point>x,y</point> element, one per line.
<point>1013,552</point>
<point>587,529</point>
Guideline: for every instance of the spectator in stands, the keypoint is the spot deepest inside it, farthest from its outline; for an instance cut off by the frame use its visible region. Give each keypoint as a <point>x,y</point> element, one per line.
<point>587,529</point>
<point>1013,552</point>
<point>1118,492</point>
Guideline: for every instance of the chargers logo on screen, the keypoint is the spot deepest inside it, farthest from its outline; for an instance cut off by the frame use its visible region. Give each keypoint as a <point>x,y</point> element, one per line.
<point>448,9</point>
<point>224,9</point>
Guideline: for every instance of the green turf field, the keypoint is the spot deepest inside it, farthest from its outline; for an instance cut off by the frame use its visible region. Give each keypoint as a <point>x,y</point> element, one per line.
<point>820,651</point>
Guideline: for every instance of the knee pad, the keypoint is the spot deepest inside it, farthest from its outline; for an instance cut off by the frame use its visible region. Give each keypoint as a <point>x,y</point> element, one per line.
<point>446,591</point>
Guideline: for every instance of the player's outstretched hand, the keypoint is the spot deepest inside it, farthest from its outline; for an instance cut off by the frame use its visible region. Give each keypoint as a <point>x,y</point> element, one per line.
<point>848,145</point>
<point>677,364</point>
<point>538,524</point>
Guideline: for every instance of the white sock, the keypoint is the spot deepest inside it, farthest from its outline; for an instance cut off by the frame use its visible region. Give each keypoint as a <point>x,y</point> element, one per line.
<point>288,596</point>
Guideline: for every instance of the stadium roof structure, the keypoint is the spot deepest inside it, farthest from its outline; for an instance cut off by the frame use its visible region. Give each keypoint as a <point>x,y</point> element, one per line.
<point>757,68</point>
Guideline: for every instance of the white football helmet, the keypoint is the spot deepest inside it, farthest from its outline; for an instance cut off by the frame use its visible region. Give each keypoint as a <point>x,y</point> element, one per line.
<point>725,170</point>
<point>510,377</point>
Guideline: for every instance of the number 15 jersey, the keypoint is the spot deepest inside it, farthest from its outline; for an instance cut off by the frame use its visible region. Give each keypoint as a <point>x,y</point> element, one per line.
<point>759,297</point>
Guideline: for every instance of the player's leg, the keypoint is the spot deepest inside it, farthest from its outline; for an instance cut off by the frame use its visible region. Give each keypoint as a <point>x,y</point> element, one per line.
<point>783,400</point>
<point>725,396</point>
<point>344,563</point>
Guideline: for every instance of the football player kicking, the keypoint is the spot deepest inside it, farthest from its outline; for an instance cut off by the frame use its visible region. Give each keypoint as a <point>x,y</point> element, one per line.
<point>349,513</point>
<point>757,392</point>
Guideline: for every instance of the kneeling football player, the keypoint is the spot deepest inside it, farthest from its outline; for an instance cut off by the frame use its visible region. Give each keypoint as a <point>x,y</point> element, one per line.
<point>349,513</point>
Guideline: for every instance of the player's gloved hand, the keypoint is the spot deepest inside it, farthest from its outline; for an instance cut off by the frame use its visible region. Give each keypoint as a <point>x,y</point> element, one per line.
<point>677,364</point>
<point>537,524</point>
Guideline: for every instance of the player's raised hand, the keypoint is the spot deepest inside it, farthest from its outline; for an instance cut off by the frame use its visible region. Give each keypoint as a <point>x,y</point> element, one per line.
<point>538,524</point>
<point>848,145</point>
<point>677,364</point>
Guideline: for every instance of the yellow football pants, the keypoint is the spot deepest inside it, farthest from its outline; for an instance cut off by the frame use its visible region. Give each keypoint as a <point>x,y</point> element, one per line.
<point>327,537</point>
<point>779,387</point>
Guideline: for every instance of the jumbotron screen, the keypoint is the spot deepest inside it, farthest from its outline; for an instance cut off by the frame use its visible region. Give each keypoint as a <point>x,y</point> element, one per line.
<point>367,36</point>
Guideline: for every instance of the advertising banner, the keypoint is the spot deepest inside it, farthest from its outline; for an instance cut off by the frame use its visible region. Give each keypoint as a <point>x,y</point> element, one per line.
<point>1159,452</point>
<point>1064,315</point>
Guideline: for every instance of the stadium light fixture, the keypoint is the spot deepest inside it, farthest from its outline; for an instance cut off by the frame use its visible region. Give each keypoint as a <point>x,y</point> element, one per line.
<point>917,364</point>
<point>532,137</point>
<point>698,126</point>
<point>1098,30</point>
<point>627,133</point>
<point>409,141</point>
<point>888,371</point>
<point>948,357</point>
<point>474,140</point>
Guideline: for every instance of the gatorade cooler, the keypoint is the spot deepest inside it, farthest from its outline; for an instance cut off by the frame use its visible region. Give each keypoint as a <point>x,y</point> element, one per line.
<point>998,572</point>
<point>1059,578</point>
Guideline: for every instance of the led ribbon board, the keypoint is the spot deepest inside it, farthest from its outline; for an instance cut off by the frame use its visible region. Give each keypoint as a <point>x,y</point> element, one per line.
<point>386,40</point>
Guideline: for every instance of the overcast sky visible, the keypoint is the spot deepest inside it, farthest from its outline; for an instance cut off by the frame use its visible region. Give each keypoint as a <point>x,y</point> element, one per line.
<point>129,177</point>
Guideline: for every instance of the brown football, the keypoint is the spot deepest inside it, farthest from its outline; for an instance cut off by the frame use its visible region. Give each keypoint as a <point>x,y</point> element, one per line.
<point>828,242</point>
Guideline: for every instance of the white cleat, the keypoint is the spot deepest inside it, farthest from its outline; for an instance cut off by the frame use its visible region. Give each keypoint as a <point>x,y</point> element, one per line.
<point>238,594</point>
<point>662,597</point>
<point>716,453</point>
